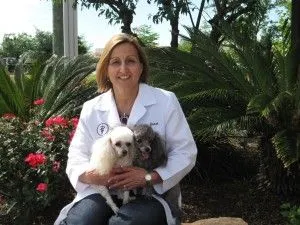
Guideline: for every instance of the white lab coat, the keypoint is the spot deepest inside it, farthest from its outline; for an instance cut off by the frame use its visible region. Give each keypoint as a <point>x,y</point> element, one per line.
<point>156,107</point>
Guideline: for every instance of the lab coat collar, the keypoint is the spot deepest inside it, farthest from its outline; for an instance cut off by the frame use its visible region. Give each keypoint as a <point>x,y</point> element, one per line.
<point>145,98</point>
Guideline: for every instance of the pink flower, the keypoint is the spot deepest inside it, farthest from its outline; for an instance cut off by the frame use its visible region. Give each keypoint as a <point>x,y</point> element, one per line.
<point>35,159</point>
<point>58,120</point>
<point>56,166</point>
<point>8,116</point>
<point>46,133</point>
<point>42,187</point>
<point>39,101</point>
<point>75,121</point>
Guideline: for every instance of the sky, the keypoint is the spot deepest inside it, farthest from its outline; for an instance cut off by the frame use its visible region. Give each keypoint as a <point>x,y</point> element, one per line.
<point>17,16</point>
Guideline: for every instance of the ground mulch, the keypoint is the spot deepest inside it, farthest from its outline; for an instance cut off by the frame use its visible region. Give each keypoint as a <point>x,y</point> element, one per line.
<point>233,199</point>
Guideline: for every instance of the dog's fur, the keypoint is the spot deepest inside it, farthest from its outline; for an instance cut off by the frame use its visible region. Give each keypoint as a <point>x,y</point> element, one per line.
<point>150,154</point>
<point>113,150</point>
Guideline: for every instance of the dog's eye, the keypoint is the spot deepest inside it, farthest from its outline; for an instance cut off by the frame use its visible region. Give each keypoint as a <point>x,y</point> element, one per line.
<point>138,141</point>
<point>128,144</point>
<point>118,143</point>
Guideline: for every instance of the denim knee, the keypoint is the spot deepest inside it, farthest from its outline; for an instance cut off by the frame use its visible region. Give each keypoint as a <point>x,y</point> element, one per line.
<point>140,212</point>
<point>92,210</point>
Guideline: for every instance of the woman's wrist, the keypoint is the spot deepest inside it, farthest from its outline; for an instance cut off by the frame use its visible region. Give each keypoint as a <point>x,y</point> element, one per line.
<point>155,178</point>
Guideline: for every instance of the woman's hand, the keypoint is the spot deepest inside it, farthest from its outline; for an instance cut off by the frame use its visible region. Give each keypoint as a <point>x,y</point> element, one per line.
<point>128,178</point>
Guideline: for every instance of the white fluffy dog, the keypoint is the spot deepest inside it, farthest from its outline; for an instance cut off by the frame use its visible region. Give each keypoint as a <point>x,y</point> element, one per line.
<point>113,150</point>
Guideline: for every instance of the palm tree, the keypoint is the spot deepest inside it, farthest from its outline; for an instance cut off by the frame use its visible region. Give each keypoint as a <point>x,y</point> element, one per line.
<point>243,86</point>
<point>59,81</point>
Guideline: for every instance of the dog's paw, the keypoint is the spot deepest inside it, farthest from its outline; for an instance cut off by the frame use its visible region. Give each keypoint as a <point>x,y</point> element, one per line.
<point>115,209</point>
<point>130,198</point>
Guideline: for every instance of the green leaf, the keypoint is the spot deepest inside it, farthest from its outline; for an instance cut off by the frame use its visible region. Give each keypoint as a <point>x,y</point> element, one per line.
<point>287,146</point>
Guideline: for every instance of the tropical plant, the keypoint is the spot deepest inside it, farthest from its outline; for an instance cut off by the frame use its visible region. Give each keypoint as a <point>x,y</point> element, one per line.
<point>59,82</point>
<point>242,87</point>
<point>292,213</point>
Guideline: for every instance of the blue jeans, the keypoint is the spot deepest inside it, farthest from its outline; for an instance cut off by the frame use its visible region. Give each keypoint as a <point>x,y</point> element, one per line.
<point>93,210</point>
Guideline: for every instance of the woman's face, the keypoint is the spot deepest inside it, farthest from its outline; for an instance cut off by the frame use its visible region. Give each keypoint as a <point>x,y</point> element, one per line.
<point>124,67</point>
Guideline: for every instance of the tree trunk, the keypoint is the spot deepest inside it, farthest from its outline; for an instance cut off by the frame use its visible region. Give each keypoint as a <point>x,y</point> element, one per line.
<point>295,33</point>
<point>174,32</point>
<point>127,19</point>
<point>215,33</point>
<point>58,29</point>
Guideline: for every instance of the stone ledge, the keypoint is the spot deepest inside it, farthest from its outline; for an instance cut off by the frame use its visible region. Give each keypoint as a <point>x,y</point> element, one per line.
<point>219,221</point>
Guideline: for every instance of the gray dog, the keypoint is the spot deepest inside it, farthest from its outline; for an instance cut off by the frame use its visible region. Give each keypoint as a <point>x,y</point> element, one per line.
<point>151,154</point>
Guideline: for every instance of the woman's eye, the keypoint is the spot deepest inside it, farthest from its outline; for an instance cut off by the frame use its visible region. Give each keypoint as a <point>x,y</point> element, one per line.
<point>131,61</point>
<point>114,62</point>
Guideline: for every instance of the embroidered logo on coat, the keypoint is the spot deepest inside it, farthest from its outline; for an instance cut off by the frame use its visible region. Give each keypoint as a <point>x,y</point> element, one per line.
<point>102,129</point>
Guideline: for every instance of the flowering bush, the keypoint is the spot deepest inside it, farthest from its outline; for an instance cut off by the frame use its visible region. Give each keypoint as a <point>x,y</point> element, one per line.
<point>33,159</point>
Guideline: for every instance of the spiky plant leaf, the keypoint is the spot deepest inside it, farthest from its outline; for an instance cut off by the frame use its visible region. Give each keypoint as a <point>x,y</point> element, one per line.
<point>12,97</point>
<point>58,81</point>
<point>258,103</point>
<point>64,84</point>
<point>214,122</point>
<point>287,146</point>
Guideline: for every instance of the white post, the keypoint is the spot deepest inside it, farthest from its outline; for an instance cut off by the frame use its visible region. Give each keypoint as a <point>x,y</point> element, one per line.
<point>70,29</point>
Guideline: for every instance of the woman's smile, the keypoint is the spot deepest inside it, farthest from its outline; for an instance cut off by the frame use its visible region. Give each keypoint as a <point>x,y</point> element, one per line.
<point>124,77</point>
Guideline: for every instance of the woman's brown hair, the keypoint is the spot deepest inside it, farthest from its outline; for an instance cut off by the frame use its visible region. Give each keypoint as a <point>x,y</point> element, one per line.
<point>101,71</point>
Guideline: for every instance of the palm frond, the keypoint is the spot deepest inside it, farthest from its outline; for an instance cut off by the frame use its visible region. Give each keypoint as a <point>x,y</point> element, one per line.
<point>65,83</point>
<point>221,62</point>
<point>197,67</point>
<point>209,123</point>
<point>229,99</point>
<point>259,103</point>
<point>287,146</point>
<point>11,95</point>
<point>284,69</point>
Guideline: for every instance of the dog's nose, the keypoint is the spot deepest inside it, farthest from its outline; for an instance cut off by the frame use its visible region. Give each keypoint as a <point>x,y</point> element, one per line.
<point>124,152</point>
<point>147,149</point>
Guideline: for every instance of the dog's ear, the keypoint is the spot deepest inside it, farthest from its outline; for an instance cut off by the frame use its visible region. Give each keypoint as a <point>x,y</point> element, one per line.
<point>159,154</point>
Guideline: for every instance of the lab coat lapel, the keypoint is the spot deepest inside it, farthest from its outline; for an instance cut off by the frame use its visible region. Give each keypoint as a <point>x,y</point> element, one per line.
<point>108,106</point>
<point>137,112</point>
<point>145,98</point>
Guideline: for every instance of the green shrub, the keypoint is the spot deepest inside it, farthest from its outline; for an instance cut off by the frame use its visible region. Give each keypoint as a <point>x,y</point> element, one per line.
<point>33,160</point>
<point>292,213</point>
